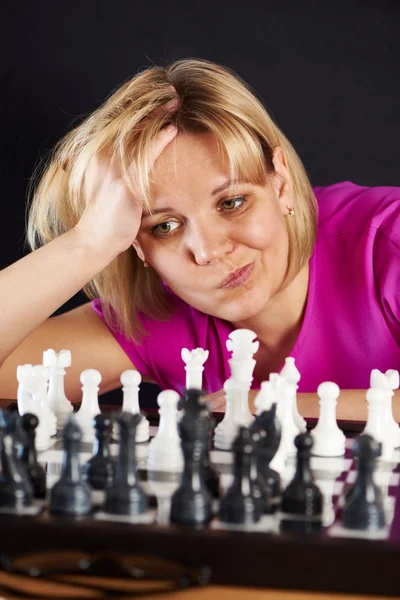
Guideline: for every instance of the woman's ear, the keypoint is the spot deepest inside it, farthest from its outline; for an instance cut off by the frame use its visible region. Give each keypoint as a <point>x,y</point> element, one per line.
<point>282,181</point>
<point>138,249</point>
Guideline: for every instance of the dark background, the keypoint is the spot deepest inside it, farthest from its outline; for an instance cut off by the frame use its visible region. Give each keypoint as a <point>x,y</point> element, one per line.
<point>328,72</point>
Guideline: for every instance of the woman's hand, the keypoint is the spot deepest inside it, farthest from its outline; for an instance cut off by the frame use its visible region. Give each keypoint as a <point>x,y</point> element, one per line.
<point>112,217</point>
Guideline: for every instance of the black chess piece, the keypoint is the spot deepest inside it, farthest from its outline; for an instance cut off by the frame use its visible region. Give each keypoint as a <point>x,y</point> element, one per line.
<point>302,500</point>
<point>99,470</point>
<point>363,509</point>
<point>267,429</point>
<point>242,502</point>
<point>16,490</point>
<point>126,496</point>
<point>191,503</point>
<point>35,471</point>
<point>70,495</point>
<point>192,398</point>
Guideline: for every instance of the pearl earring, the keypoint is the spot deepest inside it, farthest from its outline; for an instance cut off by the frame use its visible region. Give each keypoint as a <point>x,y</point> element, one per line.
<point>145,264</point>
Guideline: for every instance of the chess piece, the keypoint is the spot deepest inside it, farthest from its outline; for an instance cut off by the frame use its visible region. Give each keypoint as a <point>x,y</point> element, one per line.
<point>193,401</point>
<point>302,500</point>
<point>268,429</point>
<point>34,469</point>
<point>292,375</point>
<point>191,503</point>
<point>376,421</point>
<point>70,495</point>
<point>329,440</point>
<point>241,503</point>
<point>264,398</point>
<point>16,490</point>
<point>165,452</point>
<point>226,431</point>
<point>387,382</point>
<point>89,409</point>
<point>363,509</point>
<point>126,496</point>
<point>194,361</point>
<point>131,380</point>
<point>24,398</point>
<point>98,471</point>
<point>242,345</point>
<point>284,400</point>
<point>26,404</point>
<point>36,383</point>
<point>56,398</point>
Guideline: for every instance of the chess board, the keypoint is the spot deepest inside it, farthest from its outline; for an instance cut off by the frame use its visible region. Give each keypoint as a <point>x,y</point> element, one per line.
<point>333,559</point>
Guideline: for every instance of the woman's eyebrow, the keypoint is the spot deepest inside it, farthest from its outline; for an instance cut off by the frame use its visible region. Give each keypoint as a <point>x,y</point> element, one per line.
<point>164,209</point>
<point>156,211</point>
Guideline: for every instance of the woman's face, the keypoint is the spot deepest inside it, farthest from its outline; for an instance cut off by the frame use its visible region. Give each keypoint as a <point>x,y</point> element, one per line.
<point>200,235</point>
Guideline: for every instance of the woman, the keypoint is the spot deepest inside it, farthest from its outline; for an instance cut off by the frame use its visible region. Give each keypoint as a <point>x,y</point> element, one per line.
<point>183,210</point>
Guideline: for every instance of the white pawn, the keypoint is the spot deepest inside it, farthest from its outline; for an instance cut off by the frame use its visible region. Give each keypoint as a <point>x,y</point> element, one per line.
<point>131,380</point>
<point>376,422</point>
<point>90,380</point>
<point>56,398</point>
<point>165,452</point>
<point>226,431</point>
<point>291,373</point>
<point>329,439</point>
<point>194,361</point>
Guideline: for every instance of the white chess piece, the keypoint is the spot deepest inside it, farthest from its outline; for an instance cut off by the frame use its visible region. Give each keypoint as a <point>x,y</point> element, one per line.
<point>165,452</point>
<point>284,397</point>
<point>376,421</point>
<point>28,386</point>
<point>131,380</point>
<point>56,398</point>
<point>329,439</point>
<point>242,345</point>
<point>226,431</point>
<point>264,398</point>
<point>291,373</point>
<point>39,387</point>
<point>388,382</point>
<point>194,361</point>
<point>24,398</point>
<point>90,379</point>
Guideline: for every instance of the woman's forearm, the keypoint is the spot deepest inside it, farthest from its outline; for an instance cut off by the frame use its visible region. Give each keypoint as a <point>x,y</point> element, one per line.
<point>33,288</point>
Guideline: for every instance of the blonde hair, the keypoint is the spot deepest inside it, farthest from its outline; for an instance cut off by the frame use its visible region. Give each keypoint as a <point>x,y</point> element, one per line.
<point>211,98</point>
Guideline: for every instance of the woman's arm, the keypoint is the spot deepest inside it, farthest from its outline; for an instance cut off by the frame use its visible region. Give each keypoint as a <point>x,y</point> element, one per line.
<point>351,406</point>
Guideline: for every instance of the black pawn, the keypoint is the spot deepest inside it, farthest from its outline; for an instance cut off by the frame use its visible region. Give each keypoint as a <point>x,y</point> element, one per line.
<point>363,509</point>
<point>36,472</point>
<point>267,429</point>
<point>193,399</point>
<point>241,503</point>
<point>126,496</point>
<point>191,503</point>
<point>302,500</point>
<point>98,471</point>
<point>71,496</point>
<point>16,490</point>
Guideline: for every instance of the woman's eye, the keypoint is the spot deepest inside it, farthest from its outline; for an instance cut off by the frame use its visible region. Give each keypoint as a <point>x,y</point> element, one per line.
<point>164,228</point>
<point>233,204</point>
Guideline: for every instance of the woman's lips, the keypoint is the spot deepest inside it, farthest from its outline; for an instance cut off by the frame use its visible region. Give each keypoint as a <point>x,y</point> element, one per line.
<point>238,277</point>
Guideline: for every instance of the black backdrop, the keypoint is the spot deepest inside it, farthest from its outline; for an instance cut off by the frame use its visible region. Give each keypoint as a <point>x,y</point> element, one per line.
<point>328,72</point>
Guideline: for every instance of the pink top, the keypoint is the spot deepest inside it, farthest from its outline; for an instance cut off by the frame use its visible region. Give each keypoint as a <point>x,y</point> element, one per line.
<point>352,318</point>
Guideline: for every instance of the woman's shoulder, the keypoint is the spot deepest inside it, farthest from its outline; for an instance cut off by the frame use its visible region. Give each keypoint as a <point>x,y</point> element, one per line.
<point>348,208</point>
